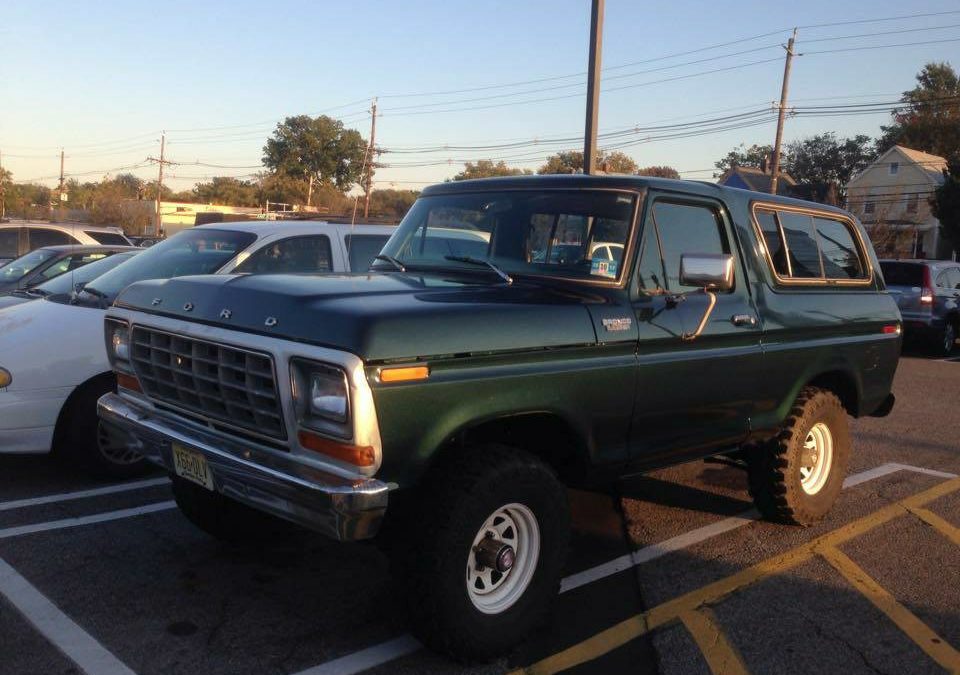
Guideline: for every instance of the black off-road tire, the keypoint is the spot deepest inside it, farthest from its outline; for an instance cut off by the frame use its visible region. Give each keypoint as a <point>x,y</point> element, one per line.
<point>77,437</point>
<point>774,466</point>
<point>224,518</point>
<point>454,503</point>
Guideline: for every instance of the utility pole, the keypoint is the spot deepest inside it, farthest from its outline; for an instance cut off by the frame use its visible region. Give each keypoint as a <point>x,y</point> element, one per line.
<point>370,150</point>
<point>593,88</point>
<point>158,218</point>
<point>782,113</point>
<point>310,189</point>
<point>60,189</point>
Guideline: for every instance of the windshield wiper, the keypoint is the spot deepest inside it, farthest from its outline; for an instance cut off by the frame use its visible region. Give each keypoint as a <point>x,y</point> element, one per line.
<point>99,295</point>
<point>393,261</point>
<point>480,261</point>
<point>38,292</point>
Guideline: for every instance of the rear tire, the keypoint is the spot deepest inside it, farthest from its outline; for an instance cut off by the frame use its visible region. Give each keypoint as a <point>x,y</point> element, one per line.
<point>796,476</point>
<point>82,440</point>
<point>945,341</point>
<point>484,496</point>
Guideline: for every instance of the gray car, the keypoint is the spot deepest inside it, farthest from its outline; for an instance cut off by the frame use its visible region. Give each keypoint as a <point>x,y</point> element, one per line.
<point>928,294</point>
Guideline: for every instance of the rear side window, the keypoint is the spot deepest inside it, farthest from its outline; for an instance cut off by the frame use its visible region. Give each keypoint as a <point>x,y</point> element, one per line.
<point>902,274</point>
<point>953,277</point>
<point>686,228</point>
<point>803,246</point>
<point>42,237</point>
<point>8,242</point>
<point>363,248</point>
<point>107,238</point>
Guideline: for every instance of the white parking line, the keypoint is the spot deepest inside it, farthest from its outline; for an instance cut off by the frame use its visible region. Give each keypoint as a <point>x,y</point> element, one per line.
<point>82,494</point>
<point>86,520</point>
<point>75,643</point>
<point>367,658</point>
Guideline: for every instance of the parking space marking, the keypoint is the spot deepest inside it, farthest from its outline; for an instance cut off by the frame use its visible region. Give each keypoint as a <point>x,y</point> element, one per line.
<point>86,520</point>
<point>82,494</point>
<point>671,611</point>
<point>75,643</point>
<point>367,658</point>
<point>936,522</point>
<point>721,656</point>
<point>935,646</point>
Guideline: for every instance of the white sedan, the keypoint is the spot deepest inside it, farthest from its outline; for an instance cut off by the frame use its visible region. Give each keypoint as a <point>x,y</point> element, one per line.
<point>53,362</point>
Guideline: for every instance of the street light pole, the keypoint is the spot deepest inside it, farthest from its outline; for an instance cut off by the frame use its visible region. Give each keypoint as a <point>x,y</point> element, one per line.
<point>593,88</point>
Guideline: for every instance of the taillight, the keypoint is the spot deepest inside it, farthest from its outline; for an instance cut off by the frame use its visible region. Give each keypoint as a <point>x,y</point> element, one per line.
<point>926,295</point>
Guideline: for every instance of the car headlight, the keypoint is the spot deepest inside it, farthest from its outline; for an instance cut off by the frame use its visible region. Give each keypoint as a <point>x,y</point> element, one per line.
<point>5,378</point>
<point>321,395</point>
<point>117,334</point>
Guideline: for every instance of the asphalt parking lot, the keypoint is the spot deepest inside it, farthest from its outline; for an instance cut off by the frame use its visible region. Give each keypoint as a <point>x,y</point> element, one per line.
<point>673,575</point>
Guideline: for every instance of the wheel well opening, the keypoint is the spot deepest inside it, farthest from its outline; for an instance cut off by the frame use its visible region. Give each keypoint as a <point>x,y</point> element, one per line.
<point>546,435</point>
<point>97,383</point>
<point>841,384</point>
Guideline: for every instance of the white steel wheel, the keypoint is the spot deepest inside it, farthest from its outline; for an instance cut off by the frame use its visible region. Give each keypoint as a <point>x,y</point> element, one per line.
<point>816,460</point>
<point>115,448</point>
<point>503,558</point>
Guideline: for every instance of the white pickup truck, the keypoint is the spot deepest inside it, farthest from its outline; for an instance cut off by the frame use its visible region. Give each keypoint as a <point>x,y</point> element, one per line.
<point>53,362</point>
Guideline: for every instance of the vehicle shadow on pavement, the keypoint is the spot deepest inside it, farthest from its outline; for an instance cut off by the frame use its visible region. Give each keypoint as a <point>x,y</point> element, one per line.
<point>689,498</point>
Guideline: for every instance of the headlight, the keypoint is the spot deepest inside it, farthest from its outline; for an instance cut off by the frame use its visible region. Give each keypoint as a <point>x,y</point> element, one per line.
<point>321,396</point>
<point>5,378</point>
<point>118,344</point>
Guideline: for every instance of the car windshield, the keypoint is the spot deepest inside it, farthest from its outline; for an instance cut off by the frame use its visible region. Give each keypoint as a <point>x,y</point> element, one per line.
<point>65,283</point>
<point>195,251</point>
<point>577,234</point>
<point>22,266</point>
<point>902,274</point>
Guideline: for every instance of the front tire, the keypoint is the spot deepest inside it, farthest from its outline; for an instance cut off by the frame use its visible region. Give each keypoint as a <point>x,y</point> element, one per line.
<point>946,340</point>
<point>796,476</point>
<point>483,551</point>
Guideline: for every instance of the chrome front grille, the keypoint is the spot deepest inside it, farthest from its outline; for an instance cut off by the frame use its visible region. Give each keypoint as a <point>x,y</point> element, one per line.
<point>232,386</point>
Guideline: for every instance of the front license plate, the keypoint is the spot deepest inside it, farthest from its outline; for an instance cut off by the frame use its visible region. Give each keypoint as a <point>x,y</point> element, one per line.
<point>191,465</point>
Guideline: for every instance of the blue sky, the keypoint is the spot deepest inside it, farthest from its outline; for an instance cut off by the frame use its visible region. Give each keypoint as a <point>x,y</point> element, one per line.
<point>102,79</point>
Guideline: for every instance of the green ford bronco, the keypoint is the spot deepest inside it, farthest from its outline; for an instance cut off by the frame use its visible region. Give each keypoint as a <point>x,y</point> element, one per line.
<point>514,337</point>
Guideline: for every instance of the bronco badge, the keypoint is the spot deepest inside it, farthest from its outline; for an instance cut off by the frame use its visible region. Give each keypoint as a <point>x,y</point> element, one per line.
<point>225,313</point>
<point>618,324</point>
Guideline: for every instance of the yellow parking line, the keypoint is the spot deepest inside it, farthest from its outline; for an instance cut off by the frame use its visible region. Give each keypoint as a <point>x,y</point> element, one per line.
<point>936,522</point>
<point>935,646</point>
<point>670,611</point>
<point>722,657</point>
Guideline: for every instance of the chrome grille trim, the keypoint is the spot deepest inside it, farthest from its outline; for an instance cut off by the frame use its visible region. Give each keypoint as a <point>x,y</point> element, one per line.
<point>228,385</point>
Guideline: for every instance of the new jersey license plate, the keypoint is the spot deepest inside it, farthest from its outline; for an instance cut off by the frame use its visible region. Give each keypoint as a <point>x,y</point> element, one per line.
<point>192,465</point>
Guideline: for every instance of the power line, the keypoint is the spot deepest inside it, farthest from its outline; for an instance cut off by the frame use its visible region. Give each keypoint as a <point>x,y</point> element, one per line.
<point>889,46</point>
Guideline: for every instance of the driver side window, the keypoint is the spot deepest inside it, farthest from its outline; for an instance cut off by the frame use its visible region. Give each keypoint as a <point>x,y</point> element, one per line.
<point>686,228</point>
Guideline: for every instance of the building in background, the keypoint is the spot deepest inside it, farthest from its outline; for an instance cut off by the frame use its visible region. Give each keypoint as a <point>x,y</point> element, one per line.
<point>891,197</point>
<point>750,178</point>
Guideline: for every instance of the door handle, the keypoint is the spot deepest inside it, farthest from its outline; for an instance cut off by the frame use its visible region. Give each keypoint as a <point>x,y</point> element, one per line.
<point>743,320</point>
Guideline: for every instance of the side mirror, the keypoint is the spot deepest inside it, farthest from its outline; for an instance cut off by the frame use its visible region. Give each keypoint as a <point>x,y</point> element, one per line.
<point>709,271</point>
<point>77,287</point>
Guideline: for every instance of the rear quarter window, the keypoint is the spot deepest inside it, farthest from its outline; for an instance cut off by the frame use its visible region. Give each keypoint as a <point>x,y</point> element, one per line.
<point>902,274</point>
<point>107,238</point>
<point>811,247</point>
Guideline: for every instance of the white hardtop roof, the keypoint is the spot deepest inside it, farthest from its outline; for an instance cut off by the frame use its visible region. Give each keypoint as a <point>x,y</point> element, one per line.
<point>265,227</point>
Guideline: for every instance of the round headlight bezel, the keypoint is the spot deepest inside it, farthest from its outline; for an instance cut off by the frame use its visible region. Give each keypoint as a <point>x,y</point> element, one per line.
<point>6,378</point>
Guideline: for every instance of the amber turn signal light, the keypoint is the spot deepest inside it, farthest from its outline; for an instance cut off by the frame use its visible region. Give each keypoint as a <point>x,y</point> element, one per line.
<point>358,455</point>
<point>130,382</point>
<point>404,374</point>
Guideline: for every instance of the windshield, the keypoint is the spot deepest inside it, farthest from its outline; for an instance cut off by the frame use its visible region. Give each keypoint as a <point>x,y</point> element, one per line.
<point>65,283</point>
<point>196,251</point>
<point>22,266</point>
<point>578,234</point>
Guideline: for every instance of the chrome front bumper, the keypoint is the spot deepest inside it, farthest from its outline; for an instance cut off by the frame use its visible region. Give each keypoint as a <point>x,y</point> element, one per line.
<point>262,478</point>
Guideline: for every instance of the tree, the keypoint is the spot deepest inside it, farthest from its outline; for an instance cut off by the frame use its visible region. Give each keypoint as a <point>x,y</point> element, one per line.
<point>227,191</point>
<point>392,203</point>
<point>304,146</point>
<point>929,119</point>
<point>571,161</point>
<point>822,159</point>
<point>659,172</point>
<point>753,157</point>
<point>485,168</point>
<point>945,203</point>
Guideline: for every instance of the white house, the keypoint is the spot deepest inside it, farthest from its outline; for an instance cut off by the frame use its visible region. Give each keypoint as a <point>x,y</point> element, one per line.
<point>892,199</point>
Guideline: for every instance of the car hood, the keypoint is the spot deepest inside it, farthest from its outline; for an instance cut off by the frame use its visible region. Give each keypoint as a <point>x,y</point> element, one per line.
<point>378,316</point>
